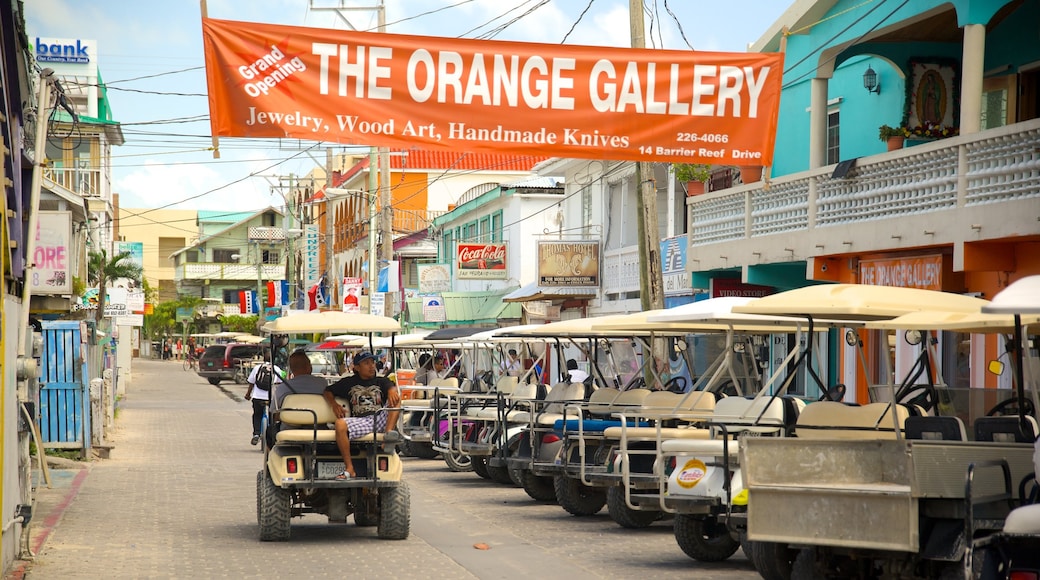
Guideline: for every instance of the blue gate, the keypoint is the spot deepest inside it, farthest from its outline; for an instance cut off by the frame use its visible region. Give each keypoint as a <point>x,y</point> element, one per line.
<point>64,388</point>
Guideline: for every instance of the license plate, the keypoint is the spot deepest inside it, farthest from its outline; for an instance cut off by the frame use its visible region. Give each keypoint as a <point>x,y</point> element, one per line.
<point>209,364</point>
<point>329,470</point>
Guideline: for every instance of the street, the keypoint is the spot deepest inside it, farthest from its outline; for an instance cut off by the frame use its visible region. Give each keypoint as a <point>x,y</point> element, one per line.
<point>177,500</point>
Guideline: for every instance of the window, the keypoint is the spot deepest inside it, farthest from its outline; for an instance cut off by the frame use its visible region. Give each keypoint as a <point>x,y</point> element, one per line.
<point>268,219</point>
<point>485,229</point>
<point>833,138</point>
<point>448,248</point>
<point>271,256</point>
<point>223,256</point>
<point>191,256</point>
<point>496,226</point>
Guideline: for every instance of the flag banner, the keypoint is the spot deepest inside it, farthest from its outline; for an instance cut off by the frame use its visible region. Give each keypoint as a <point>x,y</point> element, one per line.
<point>318,296</point>
<point>590,102</point>
<point>390,277</point>
<point>277,292</point>
<point>247,302</point>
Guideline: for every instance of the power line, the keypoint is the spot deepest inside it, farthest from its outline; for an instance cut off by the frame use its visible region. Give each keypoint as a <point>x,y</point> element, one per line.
<point>575,25</point>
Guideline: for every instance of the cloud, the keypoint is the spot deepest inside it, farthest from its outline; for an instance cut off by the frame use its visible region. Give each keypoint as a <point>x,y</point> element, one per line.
<point>155,184</point>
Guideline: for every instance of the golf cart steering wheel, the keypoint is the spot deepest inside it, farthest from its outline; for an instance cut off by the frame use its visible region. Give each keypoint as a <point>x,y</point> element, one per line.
<point>676,384</point>
<point>637,383</point>
<point>924,396</point>
<point>1010,407</point>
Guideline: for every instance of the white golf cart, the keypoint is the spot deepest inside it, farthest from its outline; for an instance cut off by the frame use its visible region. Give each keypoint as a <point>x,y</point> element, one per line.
<point>302,460</point>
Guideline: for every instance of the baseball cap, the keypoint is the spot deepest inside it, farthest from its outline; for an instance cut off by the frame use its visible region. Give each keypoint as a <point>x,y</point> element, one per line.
<point>363,356</point>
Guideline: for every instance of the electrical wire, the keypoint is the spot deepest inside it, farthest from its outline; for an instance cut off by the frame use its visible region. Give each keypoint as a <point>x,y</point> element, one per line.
<point>575,25</point>
<point>679,24</point>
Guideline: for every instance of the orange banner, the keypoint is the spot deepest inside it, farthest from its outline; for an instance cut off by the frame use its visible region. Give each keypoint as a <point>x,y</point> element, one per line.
<point>268,80</point>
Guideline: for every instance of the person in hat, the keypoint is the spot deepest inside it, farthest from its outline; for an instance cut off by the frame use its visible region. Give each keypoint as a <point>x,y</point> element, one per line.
<point>374,406</point>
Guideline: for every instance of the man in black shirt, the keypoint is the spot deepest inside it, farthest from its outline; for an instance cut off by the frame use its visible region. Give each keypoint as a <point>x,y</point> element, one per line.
<point>369,397</point>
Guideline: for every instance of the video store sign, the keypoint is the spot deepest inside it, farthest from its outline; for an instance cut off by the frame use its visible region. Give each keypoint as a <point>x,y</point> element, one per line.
<point>480,262</point>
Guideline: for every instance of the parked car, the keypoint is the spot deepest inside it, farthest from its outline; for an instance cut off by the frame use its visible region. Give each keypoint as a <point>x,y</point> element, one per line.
<point>222,361</point>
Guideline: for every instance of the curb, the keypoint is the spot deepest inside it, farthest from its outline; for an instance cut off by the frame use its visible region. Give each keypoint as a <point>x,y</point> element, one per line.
<point>39,534</point>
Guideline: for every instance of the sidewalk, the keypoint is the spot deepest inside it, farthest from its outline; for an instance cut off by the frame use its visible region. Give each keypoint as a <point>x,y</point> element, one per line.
<point>48,509</point>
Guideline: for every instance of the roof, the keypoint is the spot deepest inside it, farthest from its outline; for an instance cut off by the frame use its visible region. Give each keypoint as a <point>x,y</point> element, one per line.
<point>245,216</point>
<point>421,159</point>
<point>222,216</point>
<point>532,292</point>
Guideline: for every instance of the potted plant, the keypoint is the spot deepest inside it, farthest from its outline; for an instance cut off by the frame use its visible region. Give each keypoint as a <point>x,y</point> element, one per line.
<point>692,176</point>
<point>893,136</point>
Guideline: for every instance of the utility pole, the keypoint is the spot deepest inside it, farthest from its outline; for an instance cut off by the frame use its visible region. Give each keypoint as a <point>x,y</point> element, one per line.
<point>333,275</point>
<point>290,259</point>
<point>651,281</point>
<point>385,197</point>
<point>373,261</point>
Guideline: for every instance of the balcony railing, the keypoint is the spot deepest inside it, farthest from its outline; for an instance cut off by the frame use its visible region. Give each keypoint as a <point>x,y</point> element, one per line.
<point>989,181</point>
<point>410,221</point>
<point>621,270</point>
<point>85,182</point>
<point>220,271</point>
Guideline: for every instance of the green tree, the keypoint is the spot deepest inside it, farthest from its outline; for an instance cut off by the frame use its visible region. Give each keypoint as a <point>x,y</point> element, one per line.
<point>101,269</point>
<point>243,324</point>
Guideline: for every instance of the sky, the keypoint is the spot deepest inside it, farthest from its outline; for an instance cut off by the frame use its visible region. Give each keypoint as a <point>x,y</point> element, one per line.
<point>164,162</point>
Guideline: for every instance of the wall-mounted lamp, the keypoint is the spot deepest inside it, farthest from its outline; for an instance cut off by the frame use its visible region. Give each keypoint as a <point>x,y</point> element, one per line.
<point>870,81</point>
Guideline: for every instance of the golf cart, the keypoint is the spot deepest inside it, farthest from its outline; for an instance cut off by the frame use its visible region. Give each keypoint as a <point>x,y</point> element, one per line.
<point>879,490</point>
<point>301,459</point>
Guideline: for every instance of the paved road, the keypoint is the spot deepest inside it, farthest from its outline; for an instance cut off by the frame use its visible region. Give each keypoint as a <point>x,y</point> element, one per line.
<point>176,500</point>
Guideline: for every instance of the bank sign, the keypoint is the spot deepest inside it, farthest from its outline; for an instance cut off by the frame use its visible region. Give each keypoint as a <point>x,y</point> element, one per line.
<point>71,51</point>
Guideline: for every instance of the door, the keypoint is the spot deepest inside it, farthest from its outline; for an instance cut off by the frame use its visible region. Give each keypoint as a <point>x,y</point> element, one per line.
<point>64,389</point>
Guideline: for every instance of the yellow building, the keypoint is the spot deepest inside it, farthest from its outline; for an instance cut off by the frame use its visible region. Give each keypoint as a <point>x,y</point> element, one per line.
<point>163,232</point>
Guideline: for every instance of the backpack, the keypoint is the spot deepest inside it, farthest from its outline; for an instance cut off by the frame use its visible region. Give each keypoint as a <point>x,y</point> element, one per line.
<point>264,377</point>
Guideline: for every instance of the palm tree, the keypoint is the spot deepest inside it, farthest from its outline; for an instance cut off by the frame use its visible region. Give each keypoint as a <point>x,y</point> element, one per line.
<point>101,269</point>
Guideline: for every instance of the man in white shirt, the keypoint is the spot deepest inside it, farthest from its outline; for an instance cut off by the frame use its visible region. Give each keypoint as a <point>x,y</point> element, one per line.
<point>511,365</point>
<point>576,375</point>
<point>260,394</point>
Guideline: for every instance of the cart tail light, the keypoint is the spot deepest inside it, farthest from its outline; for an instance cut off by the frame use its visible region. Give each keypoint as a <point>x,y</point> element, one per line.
<point>549,438</point>
<point>1023,575</point>
<point>291,465</point>
<point>384,464</point>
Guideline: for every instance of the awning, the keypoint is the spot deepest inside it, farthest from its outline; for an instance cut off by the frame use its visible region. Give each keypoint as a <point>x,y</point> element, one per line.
<point>467,309</point>
<point>533,292</point>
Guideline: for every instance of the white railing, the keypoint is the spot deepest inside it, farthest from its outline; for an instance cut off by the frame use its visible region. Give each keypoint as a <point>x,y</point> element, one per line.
<point>218,271</point>
<point>620,270</point>
<point>85,182</point>
<point>996,166</point>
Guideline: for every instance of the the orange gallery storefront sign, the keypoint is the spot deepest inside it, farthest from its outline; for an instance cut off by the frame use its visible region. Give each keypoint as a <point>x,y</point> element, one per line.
<point>910,272</point>
<point>277,81</point>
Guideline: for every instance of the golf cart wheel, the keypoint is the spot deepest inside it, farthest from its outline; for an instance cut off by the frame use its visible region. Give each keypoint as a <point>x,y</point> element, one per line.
<point>394,512</point>
<point>366,519</point>
<point>214,381</point>
<point>516,475</point>
<point>772,560</point>
<point>366,510</point>
<point>537,487</point>
<point>423,450</point>
<point>480,467</point>
<point>458,462</point>
<point>704,539</point>
<point>625,516</point>
<point>499,474</point>
<point>274,506</point>
<point>577,498</point>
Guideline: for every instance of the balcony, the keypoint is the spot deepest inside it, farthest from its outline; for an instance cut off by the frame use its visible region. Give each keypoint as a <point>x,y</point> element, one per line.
<point>970,188</point>
<point>409,221</point>
<point>621,270</point>
<point>84,182</point>
<point>223,271</point>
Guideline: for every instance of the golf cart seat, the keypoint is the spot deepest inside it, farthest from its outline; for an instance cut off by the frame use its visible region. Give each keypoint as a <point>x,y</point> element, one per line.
<point>1005,429</point>
<point>704,447</point>
<point>518,395</point>
<point>605,415</point>
<point>1023,520</point>
<point>833,420</point>
<point>935,428</point>
<point>422,395</point>
<point>557,397</point>
<point>690,407</point>
<point>305,418</point>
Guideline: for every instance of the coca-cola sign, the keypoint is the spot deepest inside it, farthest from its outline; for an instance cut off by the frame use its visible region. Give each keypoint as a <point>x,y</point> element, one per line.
<point>480,261</point>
